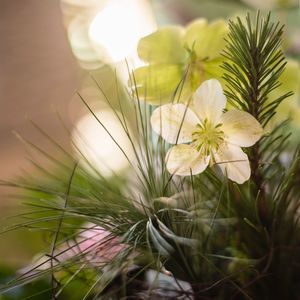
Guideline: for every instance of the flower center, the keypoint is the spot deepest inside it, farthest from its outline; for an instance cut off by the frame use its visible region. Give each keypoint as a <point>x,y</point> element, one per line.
<point>208,137</point>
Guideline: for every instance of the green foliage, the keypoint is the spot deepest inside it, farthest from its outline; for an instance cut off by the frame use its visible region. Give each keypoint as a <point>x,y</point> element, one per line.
<point>255,65</point>
<point>227,241</point>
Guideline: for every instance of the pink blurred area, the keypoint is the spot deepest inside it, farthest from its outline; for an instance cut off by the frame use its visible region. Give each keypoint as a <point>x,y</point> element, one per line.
<point>93,246</point>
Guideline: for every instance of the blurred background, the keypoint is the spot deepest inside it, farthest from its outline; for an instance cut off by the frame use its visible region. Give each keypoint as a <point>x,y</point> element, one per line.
<point>50,49</point>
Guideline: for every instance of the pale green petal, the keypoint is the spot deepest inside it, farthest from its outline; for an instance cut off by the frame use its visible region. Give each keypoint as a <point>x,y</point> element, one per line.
<point>156,84</point>
<point>174,122</point>
<point>241,128</point>
<point>290,80</point>
<point>208,40</point>
<point>195,31</point>
<point>197,75</point>
<point>184,160</point>
<point>163,46</point>
<point>233,162</point>
<point>194,77</point>
<point>290,108</point>
<point>186,93</point>
<point>212,69</point>
<point>209,101</point>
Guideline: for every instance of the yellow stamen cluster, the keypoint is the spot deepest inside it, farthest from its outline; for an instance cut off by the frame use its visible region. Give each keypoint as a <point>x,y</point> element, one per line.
<point>208,137</point>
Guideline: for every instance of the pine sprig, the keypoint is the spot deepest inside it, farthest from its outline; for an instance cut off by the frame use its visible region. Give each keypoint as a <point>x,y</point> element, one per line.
<point>253,66</point>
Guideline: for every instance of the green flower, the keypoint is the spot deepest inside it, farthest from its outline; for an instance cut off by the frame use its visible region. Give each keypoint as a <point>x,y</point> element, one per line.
<point>174,54</point>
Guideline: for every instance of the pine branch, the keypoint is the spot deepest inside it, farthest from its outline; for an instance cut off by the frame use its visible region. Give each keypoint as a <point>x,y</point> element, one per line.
<point>253,66</point>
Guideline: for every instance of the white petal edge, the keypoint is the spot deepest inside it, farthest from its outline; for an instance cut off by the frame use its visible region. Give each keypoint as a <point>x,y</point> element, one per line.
<point>184,160</point>
<point>209,101</point>
<point>241,128</point>
<point>174,122</point>
<point>233,162</point>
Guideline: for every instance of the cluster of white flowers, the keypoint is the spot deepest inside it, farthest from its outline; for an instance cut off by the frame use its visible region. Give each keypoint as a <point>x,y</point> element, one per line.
<point>203,134</point>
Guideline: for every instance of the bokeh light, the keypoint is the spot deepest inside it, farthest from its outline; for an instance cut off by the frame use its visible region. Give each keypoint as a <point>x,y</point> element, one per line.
<point>118,27</point>
<point>107,31</point>
<point>98,147</point>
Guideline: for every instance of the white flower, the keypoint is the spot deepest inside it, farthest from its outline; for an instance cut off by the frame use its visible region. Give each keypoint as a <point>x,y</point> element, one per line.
<point>204,135</point>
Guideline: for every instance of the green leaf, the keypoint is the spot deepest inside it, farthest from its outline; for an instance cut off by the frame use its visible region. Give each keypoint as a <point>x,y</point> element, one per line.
<point>163,46</point>
<point>162,246</point>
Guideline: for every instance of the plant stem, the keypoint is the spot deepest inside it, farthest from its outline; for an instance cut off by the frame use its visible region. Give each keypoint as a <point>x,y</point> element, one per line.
<point>255,156</point>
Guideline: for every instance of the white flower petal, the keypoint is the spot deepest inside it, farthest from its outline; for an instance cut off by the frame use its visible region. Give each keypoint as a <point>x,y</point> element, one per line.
<point>209,101</point>
<point>185,160</point>
<point>174,122</point>
<point>233,162</point>
<point>241,128</point>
